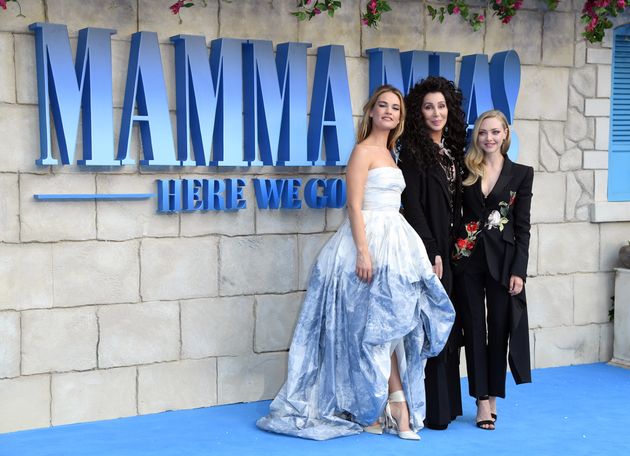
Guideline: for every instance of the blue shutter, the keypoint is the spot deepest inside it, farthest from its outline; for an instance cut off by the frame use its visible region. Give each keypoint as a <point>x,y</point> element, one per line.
<point>619,139</point>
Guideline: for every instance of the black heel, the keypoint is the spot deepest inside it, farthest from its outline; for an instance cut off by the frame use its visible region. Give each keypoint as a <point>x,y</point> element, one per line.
<point>482,423</point>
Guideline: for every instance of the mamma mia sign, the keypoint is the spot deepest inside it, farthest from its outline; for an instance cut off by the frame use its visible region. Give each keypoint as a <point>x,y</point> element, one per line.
<point>239,106</point>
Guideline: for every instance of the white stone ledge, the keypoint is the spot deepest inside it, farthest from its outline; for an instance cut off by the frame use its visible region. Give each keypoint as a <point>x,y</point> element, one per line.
<point>607,211</point>
<point>597,107</point>
<point>595,159</point>
<point>594,55</point>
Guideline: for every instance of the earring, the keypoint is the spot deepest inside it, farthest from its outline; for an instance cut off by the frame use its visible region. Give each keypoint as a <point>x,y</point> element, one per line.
<point>445,130</point>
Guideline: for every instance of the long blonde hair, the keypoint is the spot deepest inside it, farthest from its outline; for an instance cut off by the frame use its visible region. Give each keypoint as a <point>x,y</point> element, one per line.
<point>474,157</point>
<point>365,127</point>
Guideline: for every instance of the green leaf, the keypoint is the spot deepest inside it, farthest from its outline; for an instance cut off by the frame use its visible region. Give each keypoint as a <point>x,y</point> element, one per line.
<point>188,5</point>
<point>331,12</point>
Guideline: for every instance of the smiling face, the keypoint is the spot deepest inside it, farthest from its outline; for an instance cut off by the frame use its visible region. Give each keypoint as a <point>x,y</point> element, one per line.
<point>386,112</point>
<point>491,135</point>
<point>435,112</point>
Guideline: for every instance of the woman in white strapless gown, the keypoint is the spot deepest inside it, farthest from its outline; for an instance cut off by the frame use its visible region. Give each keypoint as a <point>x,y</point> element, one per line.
<point>374,310</point>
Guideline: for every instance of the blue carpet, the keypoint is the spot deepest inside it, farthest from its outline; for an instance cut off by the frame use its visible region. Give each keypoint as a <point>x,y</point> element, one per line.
<point>576,410</point>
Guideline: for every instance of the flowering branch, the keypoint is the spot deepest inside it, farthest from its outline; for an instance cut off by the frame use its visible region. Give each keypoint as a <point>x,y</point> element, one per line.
<point>595,17</point>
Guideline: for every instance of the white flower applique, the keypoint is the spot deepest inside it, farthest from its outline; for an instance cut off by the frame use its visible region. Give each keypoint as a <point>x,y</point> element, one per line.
<point>498,219</point>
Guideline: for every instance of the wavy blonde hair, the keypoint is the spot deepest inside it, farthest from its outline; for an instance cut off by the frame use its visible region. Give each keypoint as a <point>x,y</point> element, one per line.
<point>474,157</point>
<point>365,128</point>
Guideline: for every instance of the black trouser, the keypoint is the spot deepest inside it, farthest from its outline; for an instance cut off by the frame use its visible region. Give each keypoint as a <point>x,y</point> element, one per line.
<point>486,350</point>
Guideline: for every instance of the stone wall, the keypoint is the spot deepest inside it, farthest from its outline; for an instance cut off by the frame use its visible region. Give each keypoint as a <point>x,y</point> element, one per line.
<point>108,309</point>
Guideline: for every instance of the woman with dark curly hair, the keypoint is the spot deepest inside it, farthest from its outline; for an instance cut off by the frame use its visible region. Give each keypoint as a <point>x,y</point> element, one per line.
<point>431,158</point>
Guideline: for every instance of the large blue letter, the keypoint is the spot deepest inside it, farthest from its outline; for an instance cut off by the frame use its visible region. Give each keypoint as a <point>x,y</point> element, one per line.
<point>275,103</point>
<point>63,90</point>
<point>145,85</point>
<point>474,82</point>
<point>331,109</point>
<point>385,68</point>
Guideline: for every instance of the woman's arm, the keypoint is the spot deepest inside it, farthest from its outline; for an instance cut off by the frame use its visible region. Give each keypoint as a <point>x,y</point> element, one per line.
<point>356,177</point>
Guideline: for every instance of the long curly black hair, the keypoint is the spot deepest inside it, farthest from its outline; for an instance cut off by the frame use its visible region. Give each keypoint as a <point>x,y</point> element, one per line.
<point>415,143</point>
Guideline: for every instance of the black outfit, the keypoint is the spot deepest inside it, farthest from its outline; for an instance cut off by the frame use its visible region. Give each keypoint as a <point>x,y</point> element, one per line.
<point>432,206</point>
<point>494,233</point>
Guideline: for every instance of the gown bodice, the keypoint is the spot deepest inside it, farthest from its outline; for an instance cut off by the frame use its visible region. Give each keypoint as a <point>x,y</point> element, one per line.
<point>383,189</point>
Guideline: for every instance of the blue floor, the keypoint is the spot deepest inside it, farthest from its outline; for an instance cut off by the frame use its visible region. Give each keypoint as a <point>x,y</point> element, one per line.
<point>577,410</point>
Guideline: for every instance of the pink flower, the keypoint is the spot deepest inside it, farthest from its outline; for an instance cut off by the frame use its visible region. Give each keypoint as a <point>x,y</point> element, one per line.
<point>372,6</point>
<point>365,21</point>
<point>498,2</point>
<point>507,19</point>
<point>518,4</point>
<point>3,4</point>
<point>591,26</point>
<point>456,10</point>
<point>621,4</point>
<point>481,18</point>
<point>316,11</point>
<point>307,2</point>
<point>175,7</point>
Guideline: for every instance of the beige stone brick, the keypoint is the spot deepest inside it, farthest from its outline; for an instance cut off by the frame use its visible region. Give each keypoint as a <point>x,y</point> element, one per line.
<point>9,208</point>
<point>95,273</point>
<point>402,28</point>
<point>529,137</point>
<point>250,20</point>
<point>596,55</point>
<point>577,126</point>
<point>26,70</point>
<point>532,264</point>
<point>550,301</point>
<point>309,247</point>
<point>602,131</point>
<point>25,403</point>
<point>603,81</point>
<point>358,78</point>
<point>621,343</point>
<point>580,54</point>
<point>120,220</point>
<point>26,276</point>
<point>200,20</point>
<point>568,247</point>
<point>250,265</point>
<point>304,220</point>
<point>138,333</point>
<point>567,345</point>
<point>32,11</point>
<point>558,39</point>
<point>96,395</point>
<point>548,104</point>
<point>217,327</point>
<point>7,69</point>
<point>10,347</point>
<point>601,183</point>
<point>117,14</point>
<point>612,237</point>
<point>500,37</point>
<point>595,159</point>
<point>571,160</point>
<point>21,149</point>
<point>334,218</point>
<point>275,320</point>
<point>190,272</point>
<point>179,385</point>
<point>597,107</point>
<point>343,29</point>
<point>592,296</point>
<point>250,378</point>
<point>549,197</point>
<point>583,80</point>
<point>58,340</point>
<point>606,340</point>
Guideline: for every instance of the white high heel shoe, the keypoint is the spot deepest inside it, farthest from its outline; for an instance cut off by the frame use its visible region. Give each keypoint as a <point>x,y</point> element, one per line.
<point>390,421</point>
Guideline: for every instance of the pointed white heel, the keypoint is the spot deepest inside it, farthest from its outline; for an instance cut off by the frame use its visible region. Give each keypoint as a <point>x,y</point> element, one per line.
<point>390,421</point>
<point>376,429</point>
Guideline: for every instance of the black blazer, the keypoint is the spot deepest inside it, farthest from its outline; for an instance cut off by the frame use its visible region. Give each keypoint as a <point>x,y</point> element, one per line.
<point>503,221</point>
<point>427,207</point>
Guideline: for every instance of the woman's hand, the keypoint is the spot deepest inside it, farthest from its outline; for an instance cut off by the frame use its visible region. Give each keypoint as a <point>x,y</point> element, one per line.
<point>516,285</point>
<point>438,268</point>
<point>364,267</point>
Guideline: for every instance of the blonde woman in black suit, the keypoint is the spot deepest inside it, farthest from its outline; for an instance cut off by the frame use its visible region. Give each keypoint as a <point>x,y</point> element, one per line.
<point>490,257</point>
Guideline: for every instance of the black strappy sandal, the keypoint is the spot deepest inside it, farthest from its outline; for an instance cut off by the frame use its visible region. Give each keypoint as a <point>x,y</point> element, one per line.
<point>482,423</point>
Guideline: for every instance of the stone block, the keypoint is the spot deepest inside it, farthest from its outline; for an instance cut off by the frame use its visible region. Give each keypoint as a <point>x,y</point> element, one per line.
<point>612,237</point>
<point>26,276</point>
<point>549,197</point>
<point>595,159</point>
<point>595,55</point>
<point>548,104</point>
<point>46,221</point>
<point>119,14</point>
<point>549,300</point>
<point>9,208</point>
<point>571,160</point>
<point>138,333</point>
<point>217,327</point>
<point>7,69</point>
<point>309,248</point>
<point>606,340</point>
<point>275,320</point>
<point>558,41</point>
<point>358,70</point>
<point>603,81</point>
<point>583,80</point>
<point>10,347</point>
<point>334,218</point>
<point>532,264</point>
<point>95,273</point>
<point>601,183</point>
<point>402,28</point>
<point>579,54</point>
<point>250,378</point>
<point>179,385</point>
<point>592,295</point>
<point>597,107</point>
<point>605,211</point>
<point>251,20</point>
<point>529,137</point>
<point>121,220</point>
<point>576,100</point>
<point>24,145</point>
<point>277,221</point>
<point>567,345</point>
<point>200,20</point>
<point>25,403</point>
<point>568,247</point>
<point>58,340</point>
<point>190,272</point>
<point>500,37</point>
<point>574,193</point>
<point>95,395</point>
<point>343,29</point>
<point>621,346</point>
<point>26,73</point>
<point>576,126</point>
<point>250,265</point>
<point>602,131</point>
